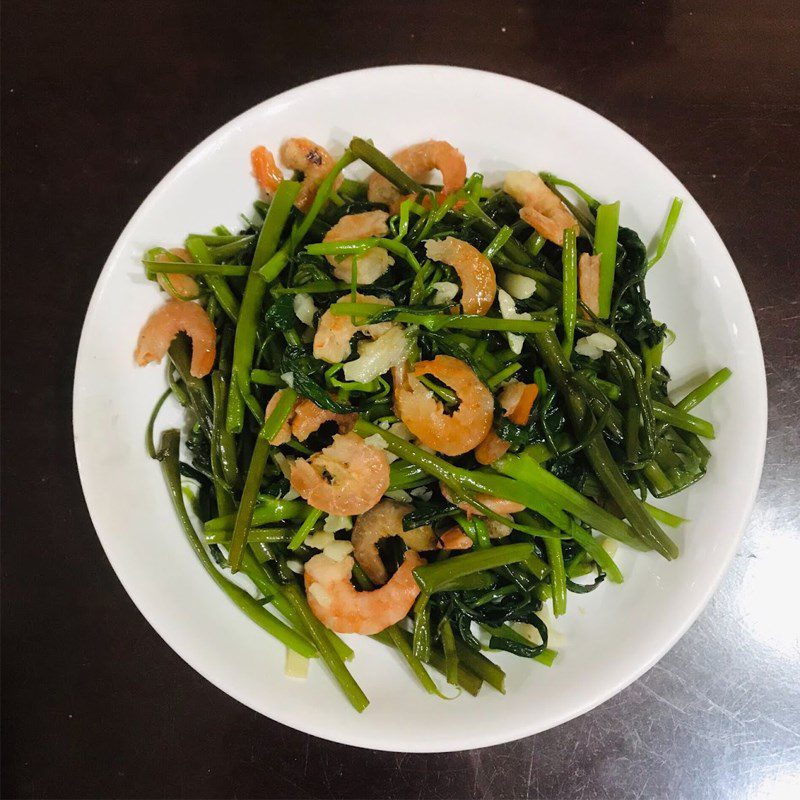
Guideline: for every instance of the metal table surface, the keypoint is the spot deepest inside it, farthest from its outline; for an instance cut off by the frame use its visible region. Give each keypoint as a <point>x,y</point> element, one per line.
<point>99,101</point>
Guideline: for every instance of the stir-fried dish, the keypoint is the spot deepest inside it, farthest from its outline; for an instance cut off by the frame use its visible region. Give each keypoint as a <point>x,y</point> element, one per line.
<point>424,413</point>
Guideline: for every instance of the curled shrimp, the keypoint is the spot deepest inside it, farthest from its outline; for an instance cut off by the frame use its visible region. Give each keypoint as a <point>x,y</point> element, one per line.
<point>380,522</point>
<point>359,475</point>
<point>455,539</point>
<point>334,332</point>
<point>308,417</point>
<point>589,281</point>
<point>305,418</point>
<point>265,169</point>
<point>497,504</point>
<point>314,161</point>
<point>180,286</point>
<point>541,206</point>
<point>474,270</point>
<point>417,406</point>
<point>372,264</point>
<point>417,161</point>
<point>517,401</point>
<point>338,606</point>
<point>166,322</point>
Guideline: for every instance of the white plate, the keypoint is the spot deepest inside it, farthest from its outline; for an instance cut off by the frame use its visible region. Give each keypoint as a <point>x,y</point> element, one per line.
<point>610,637</point>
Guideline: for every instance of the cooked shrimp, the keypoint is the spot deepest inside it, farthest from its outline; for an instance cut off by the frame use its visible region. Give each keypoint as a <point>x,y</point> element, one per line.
<point>417,406</point>
<point>517,401</point>
<point>332,339</point>
<point>305,418</point>
<point>589,281</point>
<point>285,432</point>
<point>372,264</point>
<point>265,170</point>
<point>455,539</point>
<point>417,161</point>
<point>359,475</point>
<point>511,395</point>
<point>308,417</point>
<point>338,606</point>
<point>314,161</point>
<point>165,323</point>
<point>497,504</point>
<point>541,206</point>
<point>180,286</point>
<point>474,270</point>
<point>385,519</point>
<point>491,448</point>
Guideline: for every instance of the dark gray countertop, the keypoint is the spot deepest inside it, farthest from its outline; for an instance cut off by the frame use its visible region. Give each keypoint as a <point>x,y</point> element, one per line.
<point>99,101</point>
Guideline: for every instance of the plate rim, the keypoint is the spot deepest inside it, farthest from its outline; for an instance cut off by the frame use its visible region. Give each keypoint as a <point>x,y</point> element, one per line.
<point>347,734</point>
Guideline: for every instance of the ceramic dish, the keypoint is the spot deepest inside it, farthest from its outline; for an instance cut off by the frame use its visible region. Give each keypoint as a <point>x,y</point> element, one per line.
<point>610,637</point>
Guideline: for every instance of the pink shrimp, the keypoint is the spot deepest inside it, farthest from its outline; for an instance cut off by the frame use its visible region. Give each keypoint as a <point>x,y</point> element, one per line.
<point>474,270</point>
<point>455,539</point>
<point>305,418</point>
<point>517,401</point>
<point>308,417</point>
<point>180,286</point>
<point>380,522</point>
<point>265,169</point>
<point>338,606</point>
<point>589,281</point>
<point>314,161</point>
<point>417,406</point>
<point>541,206</point>
<point>165,323</point>
<point>370,265</point>
<point>497,504</point>
<point>359,475</point>
<point>417,161</point>
<point>334,332</point>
